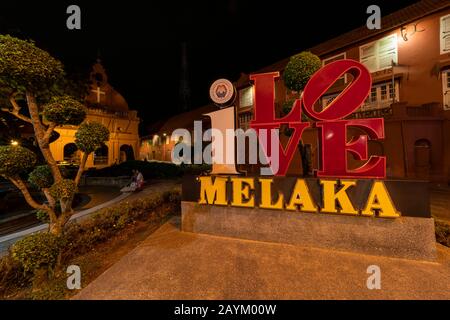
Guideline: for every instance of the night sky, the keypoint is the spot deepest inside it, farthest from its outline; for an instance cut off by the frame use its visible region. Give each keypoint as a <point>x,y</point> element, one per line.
<point>140,41</point>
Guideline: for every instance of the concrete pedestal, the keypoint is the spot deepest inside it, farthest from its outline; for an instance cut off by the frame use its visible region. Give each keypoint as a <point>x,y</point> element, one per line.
<point>405,237</point>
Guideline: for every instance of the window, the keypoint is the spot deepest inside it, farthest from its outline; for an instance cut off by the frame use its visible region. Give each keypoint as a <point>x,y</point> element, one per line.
<point>71,153</point>
<point>244,120</point>
<point>373,94</point>
<point>246,97</point>
<point>381,96</point>
<point>445,34</point>
<point>380,54</point>
<point>101,156</point>
<point>341,56</point>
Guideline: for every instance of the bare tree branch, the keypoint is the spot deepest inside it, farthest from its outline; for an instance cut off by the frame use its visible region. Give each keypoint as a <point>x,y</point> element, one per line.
<point>81,168</point>
<point>40,133</point>
<point>12,100</point>
<point>26,193</point>
<point>17,115</point>
<point>51,203</point>
<point>16,109</point>
<point>49,131</point>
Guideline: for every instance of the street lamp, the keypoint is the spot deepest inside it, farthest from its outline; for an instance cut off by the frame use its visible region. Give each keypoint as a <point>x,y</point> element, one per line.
<point>14,143</point>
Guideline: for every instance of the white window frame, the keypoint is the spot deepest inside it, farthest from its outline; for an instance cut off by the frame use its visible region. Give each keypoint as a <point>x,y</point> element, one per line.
<point>378,103</point>
<point>442,35</point>
<point>377,56</point>
<point>381,104</point>
<point>334,57</point>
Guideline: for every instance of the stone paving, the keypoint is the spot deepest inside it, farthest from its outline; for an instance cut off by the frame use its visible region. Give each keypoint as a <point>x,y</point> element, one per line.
<point>171,264</point>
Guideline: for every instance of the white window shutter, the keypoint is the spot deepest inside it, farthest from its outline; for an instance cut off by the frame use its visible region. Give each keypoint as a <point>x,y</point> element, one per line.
<point>369,57</point>
<point>387,51</point>
<point>445,34</point>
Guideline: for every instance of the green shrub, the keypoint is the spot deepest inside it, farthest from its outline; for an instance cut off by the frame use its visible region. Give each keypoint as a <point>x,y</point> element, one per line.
<point>90,136</point>
<point>442,233</point>
<point>83,236</point>
<point>41,177</point>
<point>15,160</point>
<point>64,110</point>
<point>150,170</point>
<point>195,169</point>
<point>42,216</point>
<point>23,65</point>
<point>37,251</point>
<point>31,258</point>
<point>63,190</point>
<point>299,69</point>
<point>53,289</point>
<point>11,275</point>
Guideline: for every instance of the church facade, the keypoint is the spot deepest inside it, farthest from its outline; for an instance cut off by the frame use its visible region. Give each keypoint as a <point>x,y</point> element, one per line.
<point>108,107</point>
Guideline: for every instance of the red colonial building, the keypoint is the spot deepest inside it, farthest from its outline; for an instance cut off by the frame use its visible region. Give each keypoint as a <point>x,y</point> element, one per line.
<point>409,58</point>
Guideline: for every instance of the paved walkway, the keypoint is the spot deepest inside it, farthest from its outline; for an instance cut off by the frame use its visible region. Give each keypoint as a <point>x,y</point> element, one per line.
<point>92,196</point>
<point>171,264</point>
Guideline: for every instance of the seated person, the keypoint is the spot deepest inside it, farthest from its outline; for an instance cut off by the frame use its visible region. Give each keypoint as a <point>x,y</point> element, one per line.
<point>137,182</point>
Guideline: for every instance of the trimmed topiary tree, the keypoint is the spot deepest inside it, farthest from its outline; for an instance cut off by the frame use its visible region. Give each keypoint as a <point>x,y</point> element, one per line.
<point>33,75</point>
<point>299,69</point>
<point>64,110</point>
<point>89,137</point>
<point>41,177</point>
<point>296,75</point>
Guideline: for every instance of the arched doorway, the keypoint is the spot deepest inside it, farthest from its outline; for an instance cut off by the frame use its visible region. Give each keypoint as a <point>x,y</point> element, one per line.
<point>71,153</point>
<point>126,153</point>
<point>422,157</point>
<point>101,156</point>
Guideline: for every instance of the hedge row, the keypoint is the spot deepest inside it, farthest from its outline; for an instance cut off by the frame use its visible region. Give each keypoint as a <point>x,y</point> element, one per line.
<point>150,170</point>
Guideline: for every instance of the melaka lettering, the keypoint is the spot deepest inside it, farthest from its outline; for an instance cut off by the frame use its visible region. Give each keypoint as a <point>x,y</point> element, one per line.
<point>244,192</point>
<point>331,121</point>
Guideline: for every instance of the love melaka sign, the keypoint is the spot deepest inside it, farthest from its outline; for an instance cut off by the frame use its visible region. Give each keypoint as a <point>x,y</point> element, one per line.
<point>334,147</point>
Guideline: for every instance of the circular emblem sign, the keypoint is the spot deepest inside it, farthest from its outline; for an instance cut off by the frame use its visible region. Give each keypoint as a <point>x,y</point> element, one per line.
<point>221,91</point>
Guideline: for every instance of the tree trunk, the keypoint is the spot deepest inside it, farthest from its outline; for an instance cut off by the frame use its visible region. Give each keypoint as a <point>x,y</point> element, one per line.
<point>56,228</point>
<point>40,136</point>
<point>51,203</point>
<point>81,168</point>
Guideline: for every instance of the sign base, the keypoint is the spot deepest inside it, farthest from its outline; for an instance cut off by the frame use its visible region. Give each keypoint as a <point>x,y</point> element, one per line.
<point>404,237</point>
